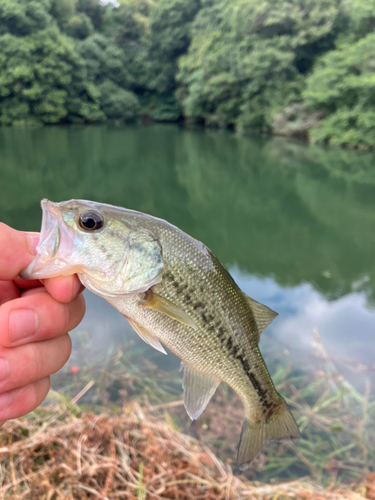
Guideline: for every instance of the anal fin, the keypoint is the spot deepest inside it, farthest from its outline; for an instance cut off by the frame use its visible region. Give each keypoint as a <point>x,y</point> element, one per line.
<point>146,336</point>
<point>198,390</point>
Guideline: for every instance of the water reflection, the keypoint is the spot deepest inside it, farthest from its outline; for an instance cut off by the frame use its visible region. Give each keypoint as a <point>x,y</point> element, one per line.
<point>294,224</point>
<point>345,325</point>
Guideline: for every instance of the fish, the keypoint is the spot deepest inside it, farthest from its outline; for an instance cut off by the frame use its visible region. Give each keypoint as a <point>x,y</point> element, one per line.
<point>175,293</point>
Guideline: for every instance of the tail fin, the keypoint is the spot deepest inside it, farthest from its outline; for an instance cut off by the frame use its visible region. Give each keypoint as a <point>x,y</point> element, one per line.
<point>279,427</point>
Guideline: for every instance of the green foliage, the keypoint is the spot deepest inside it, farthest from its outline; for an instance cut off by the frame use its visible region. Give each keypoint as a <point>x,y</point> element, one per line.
<point>131,20</point>
<point>63,10</point>
<point>342,85</point>
<point>170,23</point>
<point>104,60</point>
<point>38,75</point>
<point>246,58</point>
<point>160,107</point>
<point>45,77</point>
<point>21,18</point>
<point>94,10</point>
<point>79,26</point>
<point>360,17</point>
<point>117,103</point>
<point>153,34</point>
<point>242,64</point>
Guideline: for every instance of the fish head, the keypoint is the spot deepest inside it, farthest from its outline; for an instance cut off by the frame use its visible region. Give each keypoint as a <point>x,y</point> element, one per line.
<point>110,254</point>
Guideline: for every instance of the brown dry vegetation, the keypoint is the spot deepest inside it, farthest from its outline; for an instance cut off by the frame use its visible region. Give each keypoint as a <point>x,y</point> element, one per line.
<point>56,455</point>
<point>336,418</point>
<point>136,450</point>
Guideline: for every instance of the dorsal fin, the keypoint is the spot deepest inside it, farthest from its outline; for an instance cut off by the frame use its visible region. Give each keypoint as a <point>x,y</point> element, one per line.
<point>263,315</point>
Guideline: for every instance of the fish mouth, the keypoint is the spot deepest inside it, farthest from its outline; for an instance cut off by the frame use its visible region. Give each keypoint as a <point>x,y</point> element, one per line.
<point>55,244</point>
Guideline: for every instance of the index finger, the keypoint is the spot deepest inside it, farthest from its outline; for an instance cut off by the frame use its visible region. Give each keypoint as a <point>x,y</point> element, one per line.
<point>17,250</point>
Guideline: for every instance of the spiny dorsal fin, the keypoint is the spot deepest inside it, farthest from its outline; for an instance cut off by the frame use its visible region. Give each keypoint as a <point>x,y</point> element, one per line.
<point>198,390</point>
<point>146,336</point>
<point>263,315</point>
<point>165,306</point>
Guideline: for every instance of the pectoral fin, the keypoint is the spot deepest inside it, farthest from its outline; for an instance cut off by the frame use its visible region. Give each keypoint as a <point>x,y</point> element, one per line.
<point>263,315</point>
<point>198,390</point>
<point>146,336</point>
<point>165,306</point>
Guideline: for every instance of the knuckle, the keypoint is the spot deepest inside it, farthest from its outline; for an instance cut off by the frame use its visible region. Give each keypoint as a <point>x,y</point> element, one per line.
<point>32,395</point>
<point>75,311</point>
<point>38,391</point>
<point>68,317</point>
<point>81,304</point>
<point>38,359</point>
<point>68,346</point>
<point>57,318</point>
<point>65,348</point>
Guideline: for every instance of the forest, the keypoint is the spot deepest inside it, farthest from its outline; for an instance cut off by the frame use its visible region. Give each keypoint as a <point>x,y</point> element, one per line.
<point>297,68</point>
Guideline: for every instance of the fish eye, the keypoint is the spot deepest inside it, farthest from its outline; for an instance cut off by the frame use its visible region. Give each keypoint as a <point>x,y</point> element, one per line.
<point>91,220</point>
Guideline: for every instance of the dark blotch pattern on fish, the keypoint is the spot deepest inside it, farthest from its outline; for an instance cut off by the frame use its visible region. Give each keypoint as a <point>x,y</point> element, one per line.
<point>221,332</point>
<point>198,305</point>
<point>235,350</point>
<point>227,340</point>
<point>207,318</point>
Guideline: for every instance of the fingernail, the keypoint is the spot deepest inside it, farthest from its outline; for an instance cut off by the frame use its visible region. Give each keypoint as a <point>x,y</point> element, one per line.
<point>22,324</point>
<point>5,400</point>
<point>33,240</point>
<point>4,369</point>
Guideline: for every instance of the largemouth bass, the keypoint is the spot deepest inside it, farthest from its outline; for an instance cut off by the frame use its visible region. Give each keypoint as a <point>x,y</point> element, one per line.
<point>174,292</point>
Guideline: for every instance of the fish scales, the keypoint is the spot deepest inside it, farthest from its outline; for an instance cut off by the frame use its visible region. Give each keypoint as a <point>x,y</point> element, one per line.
<point>173,291</point>
<point>235,318</point>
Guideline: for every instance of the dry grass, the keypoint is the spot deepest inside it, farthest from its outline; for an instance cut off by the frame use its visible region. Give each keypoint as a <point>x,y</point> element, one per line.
<point>55,455</point>
<point>337,419</point>
<point>138,452</point>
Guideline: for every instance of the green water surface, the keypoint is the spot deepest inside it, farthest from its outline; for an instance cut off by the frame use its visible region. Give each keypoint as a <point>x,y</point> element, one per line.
<point>294,224</point>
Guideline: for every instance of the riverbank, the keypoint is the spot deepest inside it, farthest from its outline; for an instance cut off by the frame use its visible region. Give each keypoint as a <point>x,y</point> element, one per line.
<point>58,454</point>
<point>120,431</point>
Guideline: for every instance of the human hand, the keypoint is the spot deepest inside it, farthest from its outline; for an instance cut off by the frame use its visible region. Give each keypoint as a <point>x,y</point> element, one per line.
<point>35,317</point>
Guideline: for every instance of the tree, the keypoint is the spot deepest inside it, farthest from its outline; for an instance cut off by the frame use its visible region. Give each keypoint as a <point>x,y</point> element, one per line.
<point>118,104</point>
<point>360,18</point>
<point>104,60</point>
<point>63,10</point>
<point>42,78</point>
<point>343,86</point>
<point>152,36</point>
<point>247,57</point>
<point>21,18</point>
<point>251,65</point>
<point>79,26</point>
<point>94,10</point>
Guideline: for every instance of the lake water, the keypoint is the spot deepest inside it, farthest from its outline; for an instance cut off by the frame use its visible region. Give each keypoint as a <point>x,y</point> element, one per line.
<point>295,225</point>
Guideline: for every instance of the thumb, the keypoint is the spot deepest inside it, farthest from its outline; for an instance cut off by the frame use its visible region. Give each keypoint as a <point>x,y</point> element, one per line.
<point>17,250</point>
